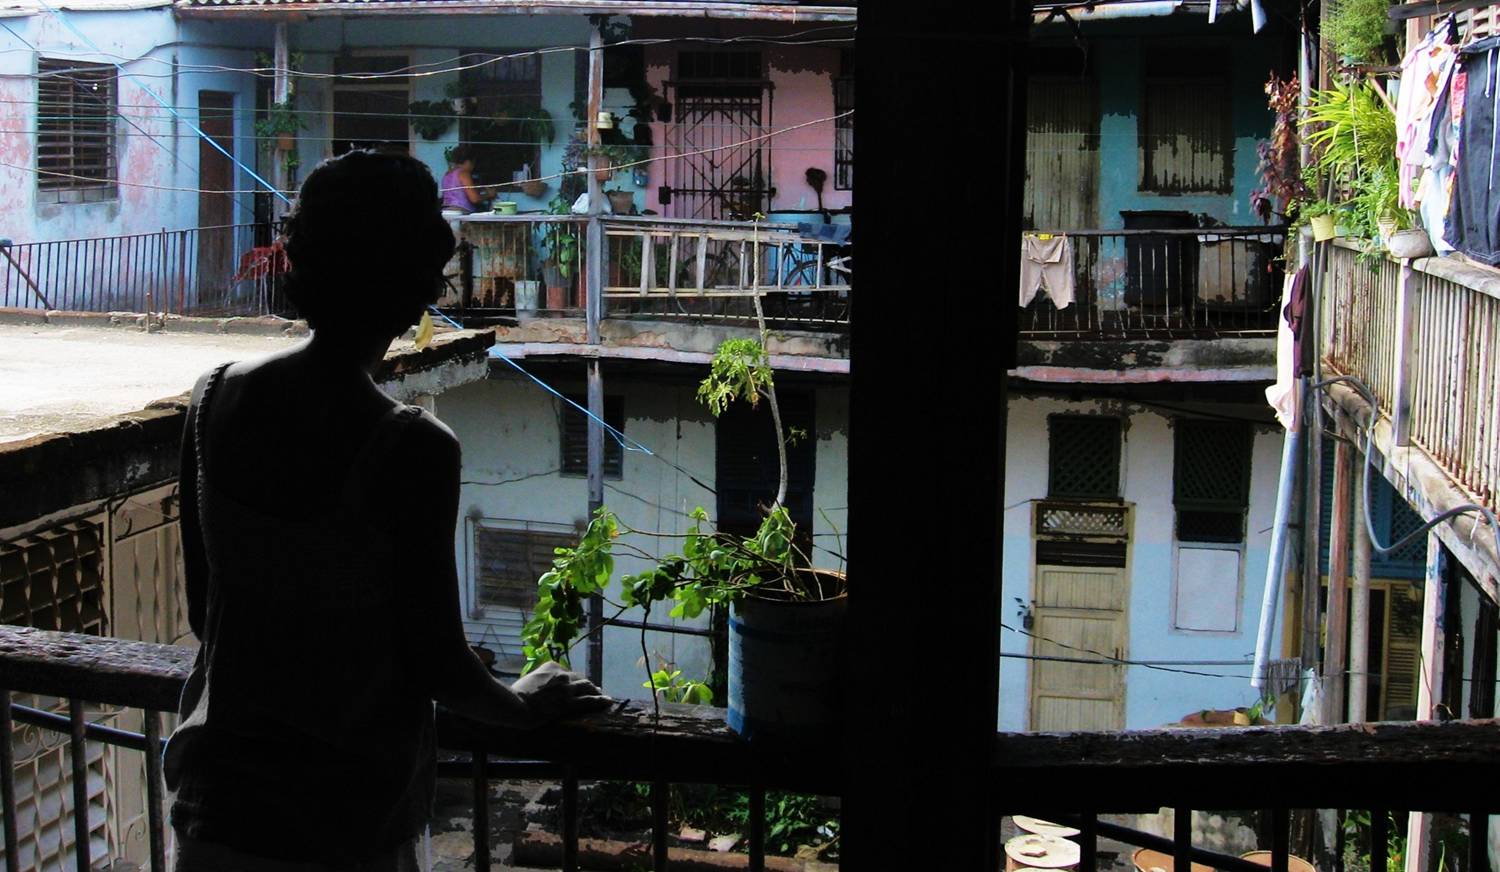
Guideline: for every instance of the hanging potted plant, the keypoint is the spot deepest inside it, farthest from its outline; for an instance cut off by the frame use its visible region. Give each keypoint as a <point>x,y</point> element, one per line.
<point>458,97</point>
<point>279,126</point>
<point>429,118</point>
<point>786,617</point>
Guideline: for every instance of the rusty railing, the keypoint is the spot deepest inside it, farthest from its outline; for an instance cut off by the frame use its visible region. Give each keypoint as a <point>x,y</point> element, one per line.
<point>1207,283</point>
<point>227,270</point>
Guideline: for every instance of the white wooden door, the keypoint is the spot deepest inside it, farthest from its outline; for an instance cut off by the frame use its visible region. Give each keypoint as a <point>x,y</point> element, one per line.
<point>1079,614</point>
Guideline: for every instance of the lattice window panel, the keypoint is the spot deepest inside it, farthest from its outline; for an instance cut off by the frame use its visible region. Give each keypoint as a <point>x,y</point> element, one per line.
<point>1403,522</point>
<point>1083,457</point>
<point>1081,521</point>
<point>54,579</point>
<point>1212,466</point>
<point>44,793</point>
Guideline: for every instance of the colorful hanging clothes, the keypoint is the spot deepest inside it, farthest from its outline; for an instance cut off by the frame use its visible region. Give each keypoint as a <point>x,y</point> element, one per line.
<point>1047,265</point>
<point>1474,217</point>
<point>1424,79</point>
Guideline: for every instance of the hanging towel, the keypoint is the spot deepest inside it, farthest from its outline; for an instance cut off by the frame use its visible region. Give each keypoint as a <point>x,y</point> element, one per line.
<point>1047,265</point>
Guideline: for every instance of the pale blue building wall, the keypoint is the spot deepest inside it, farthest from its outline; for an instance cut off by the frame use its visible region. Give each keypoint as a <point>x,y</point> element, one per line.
<point>1153,697</point>
<point>1117,51</point>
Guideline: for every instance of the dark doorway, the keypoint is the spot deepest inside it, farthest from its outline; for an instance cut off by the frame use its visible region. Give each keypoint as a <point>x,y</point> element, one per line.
<point>746,469</point>
<point>215,209</point>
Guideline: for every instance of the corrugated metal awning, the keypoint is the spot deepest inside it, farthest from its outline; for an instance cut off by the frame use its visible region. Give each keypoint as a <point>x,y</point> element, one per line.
<point>720,9</point>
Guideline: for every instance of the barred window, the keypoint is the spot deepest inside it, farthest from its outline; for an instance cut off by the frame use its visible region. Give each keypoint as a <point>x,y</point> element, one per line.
<point>76,107</point>
<point>1083,457</point>
<point>508,562</point>
<point>575,437</point>
<point>843,130</point>
<point>1211,480</point>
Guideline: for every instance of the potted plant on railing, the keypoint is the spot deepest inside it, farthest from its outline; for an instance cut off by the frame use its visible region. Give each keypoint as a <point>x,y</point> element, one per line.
<point>786,616</point>
<point>1351,129</point>
<point>559,248</point>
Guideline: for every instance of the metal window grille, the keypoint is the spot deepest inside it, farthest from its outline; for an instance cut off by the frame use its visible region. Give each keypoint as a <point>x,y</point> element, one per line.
<point>1211,480</point>
<point>719,65</point>
<point>1083,457</point>
<point>508,562</point>
<point>843,133</point>
<point>75,122</point>
<point>575,438</point>
<point>54,579</point>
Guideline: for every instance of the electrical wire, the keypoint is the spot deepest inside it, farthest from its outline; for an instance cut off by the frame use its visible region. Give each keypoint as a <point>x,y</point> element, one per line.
<point>545,178</point>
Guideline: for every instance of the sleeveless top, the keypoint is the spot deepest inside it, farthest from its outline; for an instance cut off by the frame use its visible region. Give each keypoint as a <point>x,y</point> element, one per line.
<point>305,733</point>
<point>454,195</point>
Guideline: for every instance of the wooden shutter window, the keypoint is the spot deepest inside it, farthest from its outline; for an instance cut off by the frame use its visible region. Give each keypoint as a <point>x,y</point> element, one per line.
<point>507,564</point>
<point>575,438</point>
<point>76,107</point>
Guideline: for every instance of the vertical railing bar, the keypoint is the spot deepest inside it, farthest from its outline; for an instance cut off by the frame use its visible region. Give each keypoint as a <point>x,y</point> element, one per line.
<point>1088,842</point>
<point>659,826</point>
<point>8,783</point>
<point>156,826</point>
<point>744,266</point>
<point>1379,836</point>
<point>1479,842</point>
<point>757,828</point>
<point>570,820</point>
<point>77,755</point>
<point>1182,839</point>
<point>702,259</point>
<point>1281,838</point>
<point>480,783</point>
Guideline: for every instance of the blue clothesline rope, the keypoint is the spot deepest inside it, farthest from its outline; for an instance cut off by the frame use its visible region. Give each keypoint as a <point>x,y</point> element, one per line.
<point>626,442</point>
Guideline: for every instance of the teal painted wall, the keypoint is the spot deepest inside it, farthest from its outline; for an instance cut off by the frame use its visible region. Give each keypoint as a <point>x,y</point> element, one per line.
<point>1116,58</point>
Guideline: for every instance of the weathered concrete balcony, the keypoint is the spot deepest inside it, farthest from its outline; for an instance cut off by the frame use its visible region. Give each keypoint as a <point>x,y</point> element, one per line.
<point>1159,305</point>
<point>1069,777</point>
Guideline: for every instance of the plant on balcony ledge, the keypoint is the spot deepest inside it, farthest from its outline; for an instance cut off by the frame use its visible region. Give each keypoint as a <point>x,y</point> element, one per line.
<point>1352,131</point>
<point>766,579</point>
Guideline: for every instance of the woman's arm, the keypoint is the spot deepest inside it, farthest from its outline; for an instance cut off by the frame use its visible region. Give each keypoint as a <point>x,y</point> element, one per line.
<point>466,179</point>
<point>437,647</point>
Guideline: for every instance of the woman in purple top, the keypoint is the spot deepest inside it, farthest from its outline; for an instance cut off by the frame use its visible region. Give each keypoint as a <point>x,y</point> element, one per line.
<point>459,192</point>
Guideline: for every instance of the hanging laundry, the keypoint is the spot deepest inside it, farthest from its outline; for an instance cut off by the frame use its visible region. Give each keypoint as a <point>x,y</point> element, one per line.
<point>1047,265</point>
<point>1474,219</point>
<point>1424,79</point>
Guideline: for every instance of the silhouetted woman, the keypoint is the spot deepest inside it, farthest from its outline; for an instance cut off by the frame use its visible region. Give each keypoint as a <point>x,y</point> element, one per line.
<point>317,522</point>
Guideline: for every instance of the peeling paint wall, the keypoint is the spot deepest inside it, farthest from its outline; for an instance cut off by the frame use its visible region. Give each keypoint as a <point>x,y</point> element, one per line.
<point>511,448</point>
<point>1152,697</point>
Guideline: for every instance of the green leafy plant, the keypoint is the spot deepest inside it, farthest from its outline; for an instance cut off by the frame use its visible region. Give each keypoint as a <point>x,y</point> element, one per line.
<point>559,240</point>
<point>1352,131</point>
<point>430,118</point>
<point>672,687</point>
<point>1357,30</point>
<point>280,120</point>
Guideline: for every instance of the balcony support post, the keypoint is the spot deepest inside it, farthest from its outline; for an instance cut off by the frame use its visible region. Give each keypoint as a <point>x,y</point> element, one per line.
<point>1359,610</point>
<point>593,312</point>
<point>1430,684</point>
<point>1338,583</point>
<point>934,473</point>
<point>480,782</point>
<point>1406,340</point>
<point>281,92</point>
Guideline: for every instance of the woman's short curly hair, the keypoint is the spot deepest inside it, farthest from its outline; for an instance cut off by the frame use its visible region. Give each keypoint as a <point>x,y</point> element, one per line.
<point>367,243</point>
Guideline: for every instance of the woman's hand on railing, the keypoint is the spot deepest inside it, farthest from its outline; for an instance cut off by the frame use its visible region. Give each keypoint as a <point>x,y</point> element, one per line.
<point>552,692</point>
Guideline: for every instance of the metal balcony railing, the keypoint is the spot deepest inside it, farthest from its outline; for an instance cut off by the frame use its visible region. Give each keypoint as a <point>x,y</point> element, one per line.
<point>1204,283</point>
<point>233,269</point>
<point>797,276</point>
<point>1068,777</point>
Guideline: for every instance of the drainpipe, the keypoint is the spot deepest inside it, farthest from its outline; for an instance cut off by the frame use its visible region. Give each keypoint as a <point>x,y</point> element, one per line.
<point>1276,565</point>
